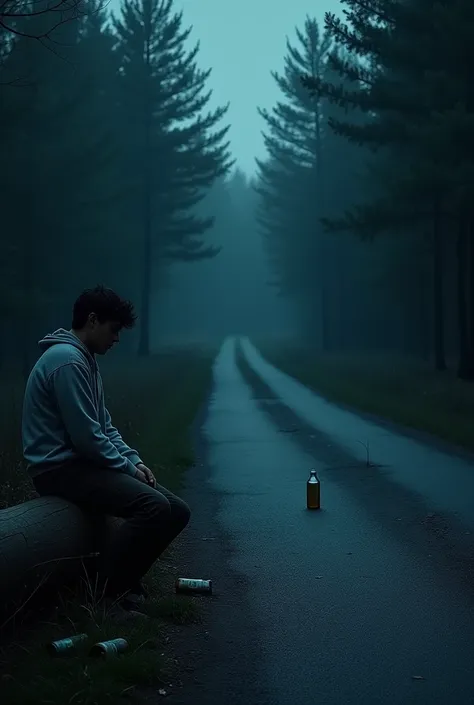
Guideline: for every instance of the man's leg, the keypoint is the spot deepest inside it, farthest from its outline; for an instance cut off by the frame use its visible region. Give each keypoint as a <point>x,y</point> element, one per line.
<point>179,517</point>
<point>154,517</point>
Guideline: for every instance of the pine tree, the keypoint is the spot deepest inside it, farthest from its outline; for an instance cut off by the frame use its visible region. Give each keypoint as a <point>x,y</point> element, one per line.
<point>61,165</point>
<point>174,148</point>
<point>31,204</point>
<point>291,179</point>
<point>408,91</point>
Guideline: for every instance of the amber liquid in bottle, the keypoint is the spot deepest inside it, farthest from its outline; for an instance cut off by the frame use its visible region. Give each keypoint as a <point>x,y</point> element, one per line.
<point>313,491</point>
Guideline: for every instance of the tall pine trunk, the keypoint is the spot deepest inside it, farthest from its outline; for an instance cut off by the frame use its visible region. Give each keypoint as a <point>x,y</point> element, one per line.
<point>325,298</point>
<point>465,368</point>
<point>438,288</point>
<point>29,227</point>
<point>470,294</point>
<point>144,338</point>
<point>423,324</point>
<point>322,249</point>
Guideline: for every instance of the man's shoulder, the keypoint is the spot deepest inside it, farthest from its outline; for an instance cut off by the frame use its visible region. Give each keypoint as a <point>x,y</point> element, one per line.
<point>61,354</point>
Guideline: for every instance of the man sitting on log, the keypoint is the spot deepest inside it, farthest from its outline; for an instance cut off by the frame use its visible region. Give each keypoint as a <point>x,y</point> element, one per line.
<point>74,452</point>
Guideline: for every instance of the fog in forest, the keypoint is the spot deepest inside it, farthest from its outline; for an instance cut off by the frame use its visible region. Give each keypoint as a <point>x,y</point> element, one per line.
<point>293,201</point>
<point>231,293</point>
<point>279,195</point>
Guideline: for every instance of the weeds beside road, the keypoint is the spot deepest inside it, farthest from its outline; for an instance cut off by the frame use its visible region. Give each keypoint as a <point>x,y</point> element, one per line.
<point>153,402</point>
<point>401,389</point>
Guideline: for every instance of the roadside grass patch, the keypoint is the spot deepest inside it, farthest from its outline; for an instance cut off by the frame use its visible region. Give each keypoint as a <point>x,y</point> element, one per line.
<point>404,390</point>
<point>153,403</point>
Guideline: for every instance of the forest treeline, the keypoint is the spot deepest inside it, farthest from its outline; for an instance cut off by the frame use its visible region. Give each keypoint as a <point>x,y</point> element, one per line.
<point>366,190</point>
<point>113,164</point>
<point>108,149</point>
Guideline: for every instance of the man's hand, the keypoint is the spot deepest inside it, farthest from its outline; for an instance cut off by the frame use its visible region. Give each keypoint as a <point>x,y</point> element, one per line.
<point>145,475</point>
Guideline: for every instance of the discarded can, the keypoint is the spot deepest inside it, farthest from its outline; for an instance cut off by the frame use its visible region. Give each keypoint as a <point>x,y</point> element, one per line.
<point>194,585</point>
<point>65,647</point>
<point>313,491</point>
<point>113,647</point>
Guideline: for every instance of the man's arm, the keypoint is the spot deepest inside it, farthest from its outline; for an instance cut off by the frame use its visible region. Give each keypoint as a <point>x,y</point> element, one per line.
<point>71,383</point>
<point>114,436</point>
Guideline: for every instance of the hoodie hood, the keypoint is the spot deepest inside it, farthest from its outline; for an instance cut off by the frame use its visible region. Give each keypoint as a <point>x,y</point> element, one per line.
<point>64,412</point>
<point>61,335</point>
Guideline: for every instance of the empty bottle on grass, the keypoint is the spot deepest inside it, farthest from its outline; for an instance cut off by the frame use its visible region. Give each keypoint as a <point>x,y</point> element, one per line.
<point>313,491</point>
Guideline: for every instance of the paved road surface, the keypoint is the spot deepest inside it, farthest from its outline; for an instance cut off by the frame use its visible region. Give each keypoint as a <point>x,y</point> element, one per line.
<point>370,600</point>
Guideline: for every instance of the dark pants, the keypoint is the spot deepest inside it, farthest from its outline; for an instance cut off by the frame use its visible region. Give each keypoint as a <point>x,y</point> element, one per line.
<point>154,518</point>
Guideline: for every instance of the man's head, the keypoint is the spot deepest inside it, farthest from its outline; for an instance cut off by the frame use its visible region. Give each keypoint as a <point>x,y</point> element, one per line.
<point>98,316</point>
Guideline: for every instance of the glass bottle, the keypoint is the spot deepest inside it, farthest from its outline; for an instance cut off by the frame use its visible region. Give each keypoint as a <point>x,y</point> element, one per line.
<point>313,491</point>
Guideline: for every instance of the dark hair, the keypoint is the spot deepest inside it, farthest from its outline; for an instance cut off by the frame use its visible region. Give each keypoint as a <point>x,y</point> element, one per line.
<point>106,304</point>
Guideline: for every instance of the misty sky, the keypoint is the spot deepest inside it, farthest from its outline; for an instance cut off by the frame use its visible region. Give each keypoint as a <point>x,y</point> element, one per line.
<point>243,41</point>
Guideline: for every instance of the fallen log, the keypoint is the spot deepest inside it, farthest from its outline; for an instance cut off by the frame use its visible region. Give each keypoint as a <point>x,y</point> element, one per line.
<point>47,540</point>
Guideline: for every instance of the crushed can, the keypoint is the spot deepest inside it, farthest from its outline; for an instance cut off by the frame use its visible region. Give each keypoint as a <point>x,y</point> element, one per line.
<point>313,491</point>
<point>67,646</point>
<point>109,648</point>
<point>194,585</point>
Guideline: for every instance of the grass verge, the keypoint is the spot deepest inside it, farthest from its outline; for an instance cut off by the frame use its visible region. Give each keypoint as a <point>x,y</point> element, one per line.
<point>400,389</point>
<point>153,402</point>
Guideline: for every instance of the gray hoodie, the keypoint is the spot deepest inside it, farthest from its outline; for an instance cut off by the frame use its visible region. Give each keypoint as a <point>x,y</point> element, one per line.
<point>64,414</point>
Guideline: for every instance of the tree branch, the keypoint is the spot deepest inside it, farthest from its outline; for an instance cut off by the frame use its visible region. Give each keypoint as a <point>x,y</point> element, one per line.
<point>72,9</point>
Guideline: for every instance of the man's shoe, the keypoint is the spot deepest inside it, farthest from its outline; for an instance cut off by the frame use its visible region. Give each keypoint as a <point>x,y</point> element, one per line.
<point>136,596</point>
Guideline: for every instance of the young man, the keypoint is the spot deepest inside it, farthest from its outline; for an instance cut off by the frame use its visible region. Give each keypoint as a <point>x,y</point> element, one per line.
<point>73,450</point>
